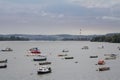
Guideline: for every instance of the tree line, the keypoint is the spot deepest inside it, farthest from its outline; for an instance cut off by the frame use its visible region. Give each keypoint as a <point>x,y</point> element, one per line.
<point>114,38</point>
<point>13,38</point>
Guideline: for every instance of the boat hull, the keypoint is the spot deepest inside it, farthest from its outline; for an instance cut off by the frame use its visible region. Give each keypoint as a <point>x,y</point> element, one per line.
<point>44,72</point>
<point>44,63</point>
<point>3,61</point>
<point>93,56</point>
<point>44,59</point>
<point>69,57</point>
<point>39,72</point>
<point>3,66</point>
<point>104,68</point>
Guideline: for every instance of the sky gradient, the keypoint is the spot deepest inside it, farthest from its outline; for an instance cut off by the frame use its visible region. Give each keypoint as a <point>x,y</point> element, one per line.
<point>59,16</point>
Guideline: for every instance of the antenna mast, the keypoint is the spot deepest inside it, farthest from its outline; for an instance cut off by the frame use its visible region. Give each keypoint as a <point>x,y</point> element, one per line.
<point>80,31</point>
<point>80,34</point>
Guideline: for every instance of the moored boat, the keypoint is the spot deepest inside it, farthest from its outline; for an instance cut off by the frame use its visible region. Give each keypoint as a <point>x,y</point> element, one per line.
<point>69,57</point>
<point>104,68</point>
<point>101,62</point>
<point>110,58</point>
<point>34,50</point>
<point>44,70</point>
<point>3,61</point>
<point>61,55</point>
<point>6,50</point>
<point>93,56</point>
<point>65,50</point>
<point>110,55</point>
<point>85,47</point>
<point>40,59</point>
<point>44,63</point>
<point>3,66</point>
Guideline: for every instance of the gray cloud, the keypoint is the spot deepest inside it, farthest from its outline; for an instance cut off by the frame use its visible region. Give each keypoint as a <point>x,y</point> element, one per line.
<point>96,3</point>
<point>61,16</point>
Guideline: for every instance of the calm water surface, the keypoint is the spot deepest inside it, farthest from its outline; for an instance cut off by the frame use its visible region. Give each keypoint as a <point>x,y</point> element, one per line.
<point>22,67</point>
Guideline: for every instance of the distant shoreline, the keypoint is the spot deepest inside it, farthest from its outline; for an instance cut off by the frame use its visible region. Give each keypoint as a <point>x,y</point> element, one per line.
<point>112,37</point>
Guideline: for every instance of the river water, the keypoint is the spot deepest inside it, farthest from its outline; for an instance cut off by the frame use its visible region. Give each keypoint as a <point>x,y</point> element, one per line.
<point>22,67</point>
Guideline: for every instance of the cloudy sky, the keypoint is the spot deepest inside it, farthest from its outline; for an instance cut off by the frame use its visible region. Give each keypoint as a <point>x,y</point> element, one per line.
<point>59,16</point>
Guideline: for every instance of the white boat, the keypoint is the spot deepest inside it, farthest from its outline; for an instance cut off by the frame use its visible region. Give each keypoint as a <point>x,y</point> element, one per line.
<point>3,61</point>
<point>110,58</point>
<point>85,47</point>
<point>6,50</point>
<point>111,55</point>
<point>65,50</point>
<point>44,69</point>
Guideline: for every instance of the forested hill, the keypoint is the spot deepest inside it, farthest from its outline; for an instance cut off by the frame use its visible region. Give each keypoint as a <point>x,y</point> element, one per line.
<point>13,38</point>
<point>113,38</point>
<point>60,37</point>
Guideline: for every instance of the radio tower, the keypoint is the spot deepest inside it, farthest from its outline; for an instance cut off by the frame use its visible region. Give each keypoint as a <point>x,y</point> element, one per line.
<point>80,34</point>
<point>80,31</point>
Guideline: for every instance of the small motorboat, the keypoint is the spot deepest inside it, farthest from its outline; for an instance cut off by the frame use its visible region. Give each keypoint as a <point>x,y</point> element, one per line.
<point>3,61</point>
<point>104,68</point>
<point>65,50</point>
<point>40,59</point>
<point>44,63</point>
<point>101,62</point>
<point>3,66</point>
<point>6,50</point>
<point>111,55</point>
<point>69,57</point>
<point>44,70</point>
<point>61,55</point>
<point>93,56</point>
<point>118,48</point>
<point>110,58</point>
<point>34,50</point>
<point>85,47</point>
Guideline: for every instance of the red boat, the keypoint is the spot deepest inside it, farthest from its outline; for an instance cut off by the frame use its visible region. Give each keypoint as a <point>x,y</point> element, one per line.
<point>35,51</point>
<point>101,62</point>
